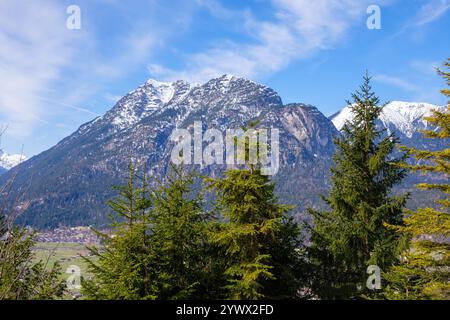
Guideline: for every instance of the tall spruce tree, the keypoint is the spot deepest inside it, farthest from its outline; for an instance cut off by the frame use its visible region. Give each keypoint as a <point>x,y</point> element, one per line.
<point>425,269</point>
<point>259,241</point>
<point>159,248</point>
<point>180,245</point>
<point>352,235</point>
<point>119,267</point>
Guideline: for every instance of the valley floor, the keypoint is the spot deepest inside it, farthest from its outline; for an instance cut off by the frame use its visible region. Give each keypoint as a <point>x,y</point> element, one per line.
<point>68,254</point>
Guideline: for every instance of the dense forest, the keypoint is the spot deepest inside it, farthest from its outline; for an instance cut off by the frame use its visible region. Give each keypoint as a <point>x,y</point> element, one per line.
<point>168,243</point>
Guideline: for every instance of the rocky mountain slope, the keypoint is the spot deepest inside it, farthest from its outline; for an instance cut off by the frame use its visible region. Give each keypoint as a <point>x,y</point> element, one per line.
<point>70,183</point>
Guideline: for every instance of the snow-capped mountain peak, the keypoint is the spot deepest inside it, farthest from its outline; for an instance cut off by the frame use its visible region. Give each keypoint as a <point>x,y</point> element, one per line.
<point>162,90</point>
<point>157,83</point>
<point>155,96</point>
<point>402,117</point>
<point>407,117</point>
<point>227,78</point>
<point>9,161</point>
<point>152,96</point>
<point>74,177</point>
<point>71,181</point>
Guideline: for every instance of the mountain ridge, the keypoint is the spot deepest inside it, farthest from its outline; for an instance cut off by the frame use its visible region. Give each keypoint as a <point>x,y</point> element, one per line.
<point>404,117</point>
<point>70,182</point>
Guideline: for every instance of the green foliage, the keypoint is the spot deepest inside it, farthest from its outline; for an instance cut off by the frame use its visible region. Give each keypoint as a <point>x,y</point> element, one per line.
<point>158,246</point>
<point>425,269</point>
<point>180,238</point>
<point>352,235</point>
<point>20,277</point>
<point>119,268</point>
<point>255,227</point>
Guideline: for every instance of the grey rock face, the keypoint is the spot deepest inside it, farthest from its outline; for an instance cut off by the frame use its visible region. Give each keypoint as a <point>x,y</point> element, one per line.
<point>71,182</point>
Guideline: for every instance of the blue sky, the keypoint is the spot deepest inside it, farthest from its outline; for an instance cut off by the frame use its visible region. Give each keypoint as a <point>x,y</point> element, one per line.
<point>53,79</point>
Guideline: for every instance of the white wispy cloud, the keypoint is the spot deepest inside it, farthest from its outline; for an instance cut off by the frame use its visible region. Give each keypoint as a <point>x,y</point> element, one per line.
<point>429,12</point>
<point>425,67</point>
<point>396,82</point>
<point>48,71</point>
<point>32,52</point>
<point>432,11</point>
<point>420,87</point>
<point>299,28</point>
<point>67,105</point>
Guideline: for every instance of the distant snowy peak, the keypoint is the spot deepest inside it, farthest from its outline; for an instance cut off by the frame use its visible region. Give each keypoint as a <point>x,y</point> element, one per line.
<point>341,117</point>
<point>8,161</point>
<point>397,116</point>
<point>407,117</point>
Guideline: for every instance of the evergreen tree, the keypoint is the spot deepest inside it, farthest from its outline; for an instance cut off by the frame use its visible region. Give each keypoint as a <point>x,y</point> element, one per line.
<point>21,277</point>
<point>180,243</point>
<point>287,259</point>
<point>425,271</point>
<point>257,238</point>
<point>119,267</point>
<point>159,249</point>
<point>352,235</point>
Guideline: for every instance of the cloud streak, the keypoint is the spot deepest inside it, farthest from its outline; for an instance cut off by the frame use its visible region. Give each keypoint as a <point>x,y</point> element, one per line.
<point>397,82</point>
<point>432,11</point>
<point>48,71</point>
<point>428,13</point>
<point>66,105</point>
<point>32,52</point>
<point>299,29</point>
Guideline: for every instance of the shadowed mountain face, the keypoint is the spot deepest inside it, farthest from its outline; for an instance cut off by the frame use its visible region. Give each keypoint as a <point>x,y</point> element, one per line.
<point>70,183</point>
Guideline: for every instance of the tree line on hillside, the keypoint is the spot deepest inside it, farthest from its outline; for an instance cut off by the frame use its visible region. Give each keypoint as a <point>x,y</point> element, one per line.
<point>167,244</point>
